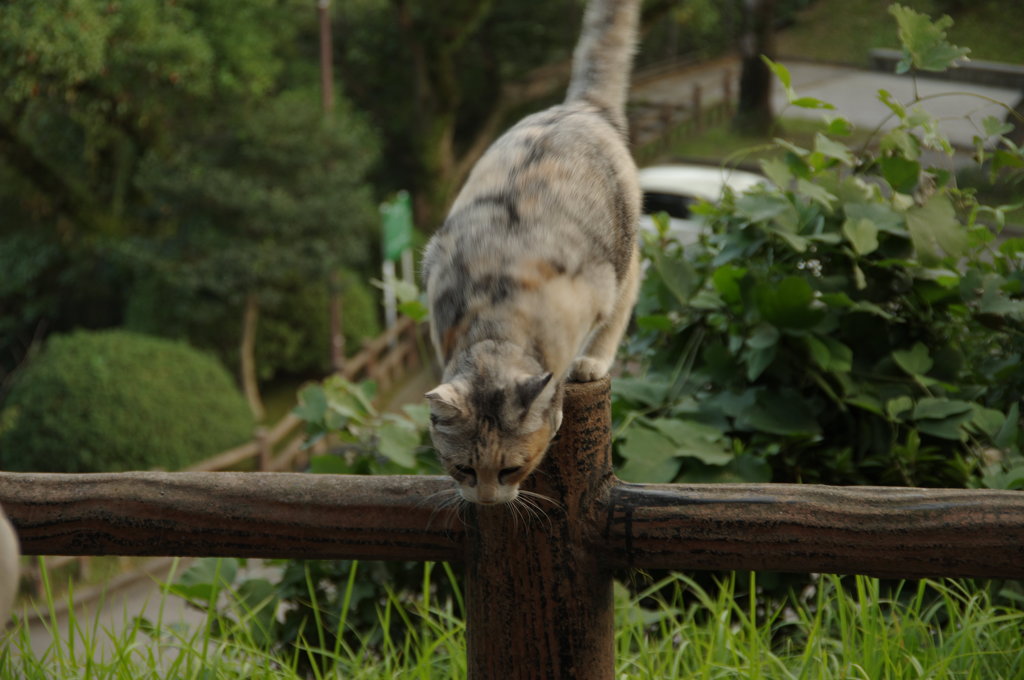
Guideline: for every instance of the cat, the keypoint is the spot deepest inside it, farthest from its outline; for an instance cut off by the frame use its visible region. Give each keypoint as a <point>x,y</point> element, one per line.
<point>532,277</point>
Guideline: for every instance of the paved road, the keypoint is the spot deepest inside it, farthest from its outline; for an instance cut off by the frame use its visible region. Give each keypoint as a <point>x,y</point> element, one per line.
<point>854,93</point>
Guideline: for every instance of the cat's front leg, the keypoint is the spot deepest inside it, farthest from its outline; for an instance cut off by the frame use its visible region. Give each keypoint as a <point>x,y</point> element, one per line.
<point>597,358</point>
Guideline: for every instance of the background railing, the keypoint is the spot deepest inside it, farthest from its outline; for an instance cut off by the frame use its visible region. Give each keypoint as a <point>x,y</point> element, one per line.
<point>541,587</point>
<point>279,447</point>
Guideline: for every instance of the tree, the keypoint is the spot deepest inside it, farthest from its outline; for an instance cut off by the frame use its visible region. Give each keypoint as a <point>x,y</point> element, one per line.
<point>170,140</point>
<point>754,107</point>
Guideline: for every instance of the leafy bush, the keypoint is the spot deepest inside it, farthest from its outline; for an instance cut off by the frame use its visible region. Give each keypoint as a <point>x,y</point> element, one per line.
<point>860,320</point>
<point>292,336</point>
<point>114,400</point>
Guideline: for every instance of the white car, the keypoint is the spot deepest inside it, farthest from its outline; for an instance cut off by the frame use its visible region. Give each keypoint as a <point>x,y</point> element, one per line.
<point>673,189</point>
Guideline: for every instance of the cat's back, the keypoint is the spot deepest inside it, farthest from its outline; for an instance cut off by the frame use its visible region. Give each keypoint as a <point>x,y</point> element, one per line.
<point>559,181</point>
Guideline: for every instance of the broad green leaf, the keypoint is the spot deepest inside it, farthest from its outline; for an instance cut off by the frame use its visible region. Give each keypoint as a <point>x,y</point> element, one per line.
<point>312,404</point>
<point>783,414</point>
<point>1009,433</point>
<point>650,456</point>
<point>833,149</point>
<point>643,391</point>
<point>398,442</point>
<point>924,41</point>
<point>760,207</point>
<point>811,103</point>
<point>937,408</point>
<point>819,352</point>
<point>205,578</point>
<point>676,274</point>
<point>778,171</point>
<point>840,127</point>
<point>995,127</point>
<point>862,234</point>
<point>844,301</point>
<point>655,322</point>
<point>816,193</point>
<point>935,230</point>
<point>415,310</point>
<point>789,304</point>
<point>329,465</point>
<point>726,281</point>
<point>764,336</point>
<point>780,71</point>
<point>950,427</point>
<point>915,361</point>
<point>758,360</point>
<point>988,420</point>
<point>896,407</point>
<point>901,174</point>
<point>695,440</point>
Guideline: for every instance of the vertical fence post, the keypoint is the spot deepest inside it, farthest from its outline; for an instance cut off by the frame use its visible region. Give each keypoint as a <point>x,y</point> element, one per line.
<point>697,105</point>
<point>538,600</point>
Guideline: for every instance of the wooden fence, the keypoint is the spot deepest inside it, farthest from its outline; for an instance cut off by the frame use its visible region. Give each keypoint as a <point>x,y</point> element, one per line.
<point>536,588</point>
<point>279,447</point>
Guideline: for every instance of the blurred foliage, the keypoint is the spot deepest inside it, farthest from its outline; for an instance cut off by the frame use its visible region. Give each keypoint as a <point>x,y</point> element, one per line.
<point>177,148</point>
<point>109,401</point>
<point>857,320</point>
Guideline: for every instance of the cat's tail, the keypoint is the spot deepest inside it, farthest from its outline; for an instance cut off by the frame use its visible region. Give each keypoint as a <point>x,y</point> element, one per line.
<point>603,58</point>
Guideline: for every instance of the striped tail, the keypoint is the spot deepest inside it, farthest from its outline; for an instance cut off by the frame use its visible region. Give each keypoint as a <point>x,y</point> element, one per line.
<point>604,57</point>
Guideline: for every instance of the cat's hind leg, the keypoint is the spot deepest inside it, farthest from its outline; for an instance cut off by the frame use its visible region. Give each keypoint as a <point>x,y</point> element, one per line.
<point>596,359</point>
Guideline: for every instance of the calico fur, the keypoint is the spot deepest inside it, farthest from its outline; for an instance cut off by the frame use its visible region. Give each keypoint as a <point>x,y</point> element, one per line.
<point>532,277</point>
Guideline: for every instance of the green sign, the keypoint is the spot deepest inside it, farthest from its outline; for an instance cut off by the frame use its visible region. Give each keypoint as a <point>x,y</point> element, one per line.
<point>396,220</point>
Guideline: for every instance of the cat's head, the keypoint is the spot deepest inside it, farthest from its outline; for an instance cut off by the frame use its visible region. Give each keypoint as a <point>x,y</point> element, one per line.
<point>491,437</point>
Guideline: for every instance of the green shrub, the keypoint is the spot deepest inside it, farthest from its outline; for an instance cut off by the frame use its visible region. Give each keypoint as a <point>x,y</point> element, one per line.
<point>859,320</point>
<point>114,400</point>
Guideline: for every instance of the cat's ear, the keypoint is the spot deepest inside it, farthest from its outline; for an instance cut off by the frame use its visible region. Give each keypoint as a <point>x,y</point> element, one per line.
<point>446,401</point>
<point>530,388</point>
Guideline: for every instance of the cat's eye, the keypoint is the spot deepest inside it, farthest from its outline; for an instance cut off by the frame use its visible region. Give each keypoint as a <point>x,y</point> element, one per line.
<point>507,472</point>
<point>464,472</point>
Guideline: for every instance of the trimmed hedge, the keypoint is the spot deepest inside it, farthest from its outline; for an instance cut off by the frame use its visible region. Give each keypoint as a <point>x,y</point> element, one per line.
<point>108,401</point>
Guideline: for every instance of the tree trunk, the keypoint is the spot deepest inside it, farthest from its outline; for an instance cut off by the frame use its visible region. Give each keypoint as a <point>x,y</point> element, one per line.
<point>247,350</point>
<point>754,108</point>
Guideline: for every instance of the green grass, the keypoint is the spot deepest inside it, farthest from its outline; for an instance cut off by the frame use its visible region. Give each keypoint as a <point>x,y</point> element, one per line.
<point>847,628</point>
<point>845,30</point>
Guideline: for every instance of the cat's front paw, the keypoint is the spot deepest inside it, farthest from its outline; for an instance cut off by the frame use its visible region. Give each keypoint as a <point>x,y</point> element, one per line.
<point>586,369</point>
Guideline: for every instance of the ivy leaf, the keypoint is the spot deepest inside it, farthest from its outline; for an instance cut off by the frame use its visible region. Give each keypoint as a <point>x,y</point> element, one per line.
<point>650,456</point>
<point>695,440</point>
<point>924,42</point>
<point>833,149</point>
<point>862,234</point>
<point>935,230</point>
<point>397,442</point>
<point>897,406</point>
<point>643,391</point>
<point>995,127</point>
<point>915,361</point>
<point>901,174</point>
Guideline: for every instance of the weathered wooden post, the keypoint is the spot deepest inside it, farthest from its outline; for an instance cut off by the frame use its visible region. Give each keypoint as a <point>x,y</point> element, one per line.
<point>538,598</point>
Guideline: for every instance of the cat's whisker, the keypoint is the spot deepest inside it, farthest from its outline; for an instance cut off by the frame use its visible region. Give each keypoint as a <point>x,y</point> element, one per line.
<point>533,495</point>
<point>452,498</point>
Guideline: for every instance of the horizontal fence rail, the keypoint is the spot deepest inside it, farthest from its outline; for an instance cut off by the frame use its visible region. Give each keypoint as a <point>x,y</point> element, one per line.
<point>538,583</point>
<point>881,531</point>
